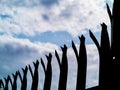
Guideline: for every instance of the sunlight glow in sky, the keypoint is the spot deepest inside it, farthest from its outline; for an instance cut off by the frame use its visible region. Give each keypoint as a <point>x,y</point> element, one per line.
<point>29,29</point>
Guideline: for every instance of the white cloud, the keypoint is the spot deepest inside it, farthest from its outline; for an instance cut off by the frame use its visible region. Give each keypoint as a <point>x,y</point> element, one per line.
<point>71,15</point>
<point>21,52</point>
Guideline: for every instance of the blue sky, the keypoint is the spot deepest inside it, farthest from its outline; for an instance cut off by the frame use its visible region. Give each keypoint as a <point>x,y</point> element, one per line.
<point>29,29</point>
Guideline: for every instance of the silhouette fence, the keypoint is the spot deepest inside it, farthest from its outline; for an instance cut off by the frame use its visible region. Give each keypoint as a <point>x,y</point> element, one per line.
<point>108,69</point>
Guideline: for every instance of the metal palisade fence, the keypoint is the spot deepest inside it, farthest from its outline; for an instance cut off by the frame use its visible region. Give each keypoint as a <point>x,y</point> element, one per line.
<point>109,63</point>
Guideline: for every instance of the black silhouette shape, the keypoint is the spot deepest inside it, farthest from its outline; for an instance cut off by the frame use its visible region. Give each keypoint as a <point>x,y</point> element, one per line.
<point>1,83</point>
<point>115,43</point>
<point>115,30</point>
<point>109,76</point>
<point>24,79</point>
<point>48,72</point>
<point>63,65</point>
<point>14,83</point>
<point>109,13</point>
<point>82,64</point>
<point>35,76</point>
<point>7,80</point>
<point>105,57</point>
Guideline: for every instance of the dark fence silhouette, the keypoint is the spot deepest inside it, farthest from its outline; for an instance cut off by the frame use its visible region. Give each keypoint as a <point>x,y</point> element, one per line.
<point>35,76</point>
<point>48,72</point>
<point>109,63</point>
<point>24,79</point>
<point>82,64</point>
<point>63,68</point>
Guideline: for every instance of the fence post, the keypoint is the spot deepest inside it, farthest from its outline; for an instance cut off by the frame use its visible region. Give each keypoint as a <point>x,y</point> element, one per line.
<point>6,82</point>
<point>81,63</point>
<point>35,76</point>
<point>48,72</point>
<point>115,44</point>
<point>105,59</point>
<point>14,83</point>
<point>1,84</point>
<point>63,65</point>
<point>24,79</point>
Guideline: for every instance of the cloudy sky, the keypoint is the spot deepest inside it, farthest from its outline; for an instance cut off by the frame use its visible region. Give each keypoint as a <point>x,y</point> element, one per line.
<point>29,29</point>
